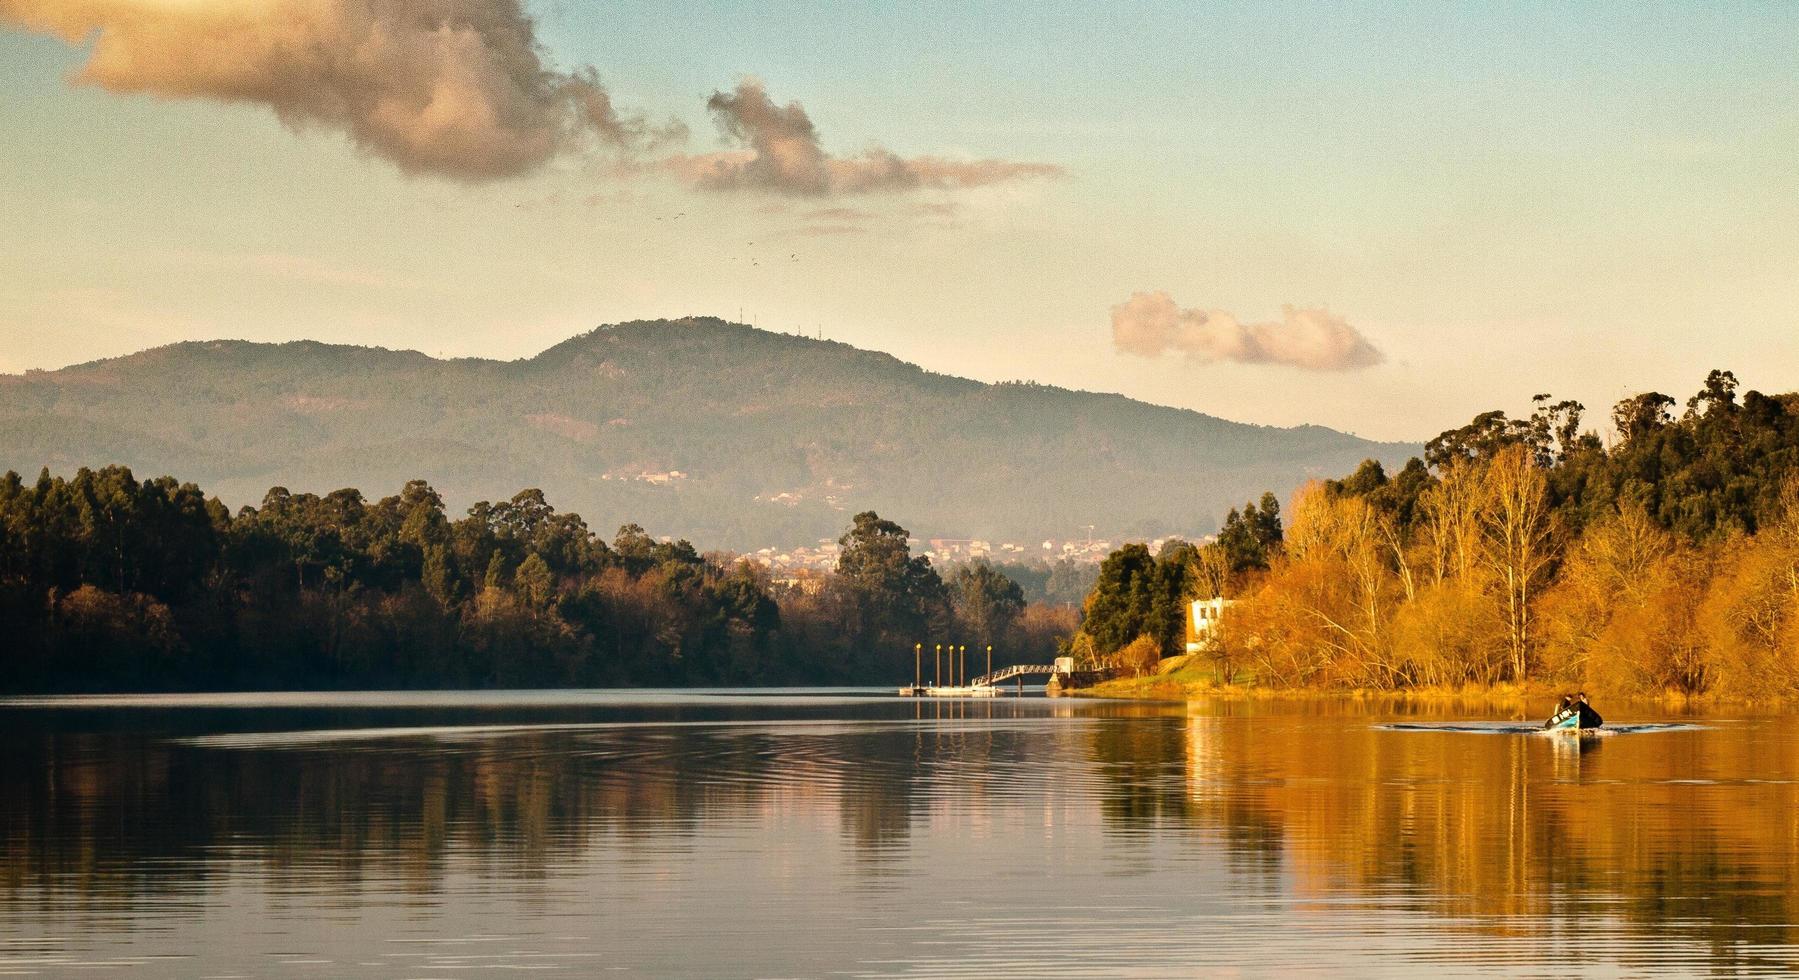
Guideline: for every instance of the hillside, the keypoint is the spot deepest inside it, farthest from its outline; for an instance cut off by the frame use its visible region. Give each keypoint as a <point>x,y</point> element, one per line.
<point>733,436</point>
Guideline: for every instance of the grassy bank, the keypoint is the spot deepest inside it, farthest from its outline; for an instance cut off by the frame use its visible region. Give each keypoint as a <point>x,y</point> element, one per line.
<point>1182,679</point>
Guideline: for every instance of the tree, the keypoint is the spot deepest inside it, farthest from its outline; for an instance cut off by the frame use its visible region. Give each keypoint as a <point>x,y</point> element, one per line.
<point>1249,537</point>
<point>333,591</point>
<point>892,597</point>
<point>1613,568</point>
<point>1135,595</point>
<point>534,581</point>
<point>635,548</point>
<point>1479,439</point>
<point>1449,522</point>
<point>1518,543</point>
<point>1068,583</point>
<point>987,603</point>
<point>1640,415</point>
<point>1208,571</point>
<point>1719,395</point>
<point>1344,538</point>
<point>1368,479</point>
<point>495,577</point>
<point>1681,571</point>
<point>421,511</point>
<point>438,575</point>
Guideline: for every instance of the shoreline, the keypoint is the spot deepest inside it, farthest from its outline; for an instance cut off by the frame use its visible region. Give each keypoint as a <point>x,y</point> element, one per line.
<point>1523,697</point>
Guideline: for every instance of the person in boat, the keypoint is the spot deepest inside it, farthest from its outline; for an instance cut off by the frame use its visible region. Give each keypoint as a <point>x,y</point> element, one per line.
<point>1588,717</point>
<point>1561,711</point>
<point>1575,712</point>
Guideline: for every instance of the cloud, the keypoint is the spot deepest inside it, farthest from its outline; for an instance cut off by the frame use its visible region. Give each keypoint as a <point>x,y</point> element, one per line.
<point>450,88</point>
<point>847,215</point>
<point>823,231</point>
<point>780,152</point>
<point>457,89</point>
<point>1150,325</point>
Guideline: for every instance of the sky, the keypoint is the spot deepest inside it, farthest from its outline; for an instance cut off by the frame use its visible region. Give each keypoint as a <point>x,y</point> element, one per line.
<point>1384,218</point>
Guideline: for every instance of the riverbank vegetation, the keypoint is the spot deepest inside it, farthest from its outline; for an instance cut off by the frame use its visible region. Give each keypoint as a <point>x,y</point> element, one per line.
<point>112,583</point>
<point>1518,552</point>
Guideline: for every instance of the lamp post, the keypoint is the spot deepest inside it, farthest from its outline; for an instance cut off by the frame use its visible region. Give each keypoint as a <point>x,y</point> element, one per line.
<point>989,658</point>
<point>937,669</point>
<point>917,666</point>
<point>964,649</point>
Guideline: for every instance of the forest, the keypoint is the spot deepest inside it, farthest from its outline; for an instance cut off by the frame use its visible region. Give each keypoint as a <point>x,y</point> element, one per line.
<point>1512,551</point>
<point>1515,551</point>
<point>109,583</point>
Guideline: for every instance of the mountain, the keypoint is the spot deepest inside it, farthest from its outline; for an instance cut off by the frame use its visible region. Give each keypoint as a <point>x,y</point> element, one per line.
<point>733,436</point>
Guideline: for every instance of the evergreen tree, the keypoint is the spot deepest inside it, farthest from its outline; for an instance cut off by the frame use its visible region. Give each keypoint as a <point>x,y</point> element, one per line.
<point>987,603</point>
<point>893,598</point>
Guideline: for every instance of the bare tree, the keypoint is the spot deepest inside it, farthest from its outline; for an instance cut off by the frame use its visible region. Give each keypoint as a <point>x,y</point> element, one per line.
<point>1209,571</point>
<point>1452,524</point>
<point>1519,542</point>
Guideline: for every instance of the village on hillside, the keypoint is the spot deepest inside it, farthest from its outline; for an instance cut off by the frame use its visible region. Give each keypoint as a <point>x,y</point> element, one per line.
<point>806,567</point>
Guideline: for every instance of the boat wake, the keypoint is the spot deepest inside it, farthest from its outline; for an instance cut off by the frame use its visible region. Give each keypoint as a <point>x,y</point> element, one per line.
<point>1526,728</point>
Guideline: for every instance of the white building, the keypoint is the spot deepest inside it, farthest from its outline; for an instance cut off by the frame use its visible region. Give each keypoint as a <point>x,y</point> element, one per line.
<point>1202,619</point>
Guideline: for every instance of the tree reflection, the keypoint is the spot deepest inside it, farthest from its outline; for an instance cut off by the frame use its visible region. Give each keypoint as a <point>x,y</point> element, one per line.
<point>1505,830</point>
<point>1513,833</point>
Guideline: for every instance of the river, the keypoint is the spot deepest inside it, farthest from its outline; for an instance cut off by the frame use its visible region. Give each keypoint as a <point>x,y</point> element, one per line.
<point>851,833</point>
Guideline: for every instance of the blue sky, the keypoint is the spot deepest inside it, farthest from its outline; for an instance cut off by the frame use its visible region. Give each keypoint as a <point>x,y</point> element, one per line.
<point>1587,199</point>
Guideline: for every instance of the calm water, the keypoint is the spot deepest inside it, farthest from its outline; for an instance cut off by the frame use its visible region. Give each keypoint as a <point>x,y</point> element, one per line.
<point>834,833</point>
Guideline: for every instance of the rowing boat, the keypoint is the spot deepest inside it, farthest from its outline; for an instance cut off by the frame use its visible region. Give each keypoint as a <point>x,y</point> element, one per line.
<point>1574,715</point>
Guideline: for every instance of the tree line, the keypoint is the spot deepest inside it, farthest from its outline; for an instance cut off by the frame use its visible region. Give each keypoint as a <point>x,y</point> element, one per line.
<point>1136,613</point>
<point>112,583</point>
<point>1514,551</point>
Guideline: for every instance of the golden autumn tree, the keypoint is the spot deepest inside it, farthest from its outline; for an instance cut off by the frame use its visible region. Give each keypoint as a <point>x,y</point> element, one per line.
<point>1614,567</point>
<point>1450,521</point>
<point>1751,612</point>
<point>1518,543</point>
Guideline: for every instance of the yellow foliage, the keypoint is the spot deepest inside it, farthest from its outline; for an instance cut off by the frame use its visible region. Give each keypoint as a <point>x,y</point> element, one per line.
<point>1474,596</point>
<point>1139,656</point>
<point>1450,635</point>
<point>1751,616</point>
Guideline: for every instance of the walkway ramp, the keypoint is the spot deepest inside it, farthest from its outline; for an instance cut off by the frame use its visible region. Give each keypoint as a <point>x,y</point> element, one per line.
<point>1007,673</point>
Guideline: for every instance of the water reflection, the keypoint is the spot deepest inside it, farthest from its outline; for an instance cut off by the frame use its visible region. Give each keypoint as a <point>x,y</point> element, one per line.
<point>802,836</point>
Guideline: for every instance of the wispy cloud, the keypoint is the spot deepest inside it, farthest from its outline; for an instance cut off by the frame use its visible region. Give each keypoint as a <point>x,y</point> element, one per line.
<point>779,151</point>
<point>840,214</point>
<point>1151,324</point>
<point>451,88</point>
<point>823,231</point>
<point>461,89</point>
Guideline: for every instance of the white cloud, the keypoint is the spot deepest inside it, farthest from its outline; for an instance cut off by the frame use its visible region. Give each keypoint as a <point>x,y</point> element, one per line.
<point>1150,324</point>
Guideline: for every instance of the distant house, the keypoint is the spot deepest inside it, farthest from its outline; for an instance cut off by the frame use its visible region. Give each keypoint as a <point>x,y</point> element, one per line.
<point>804,581</point>
<point>1202,619</point>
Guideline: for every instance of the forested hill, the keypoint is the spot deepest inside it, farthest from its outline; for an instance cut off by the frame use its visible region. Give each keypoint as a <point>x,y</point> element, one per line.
<point>732,436</point>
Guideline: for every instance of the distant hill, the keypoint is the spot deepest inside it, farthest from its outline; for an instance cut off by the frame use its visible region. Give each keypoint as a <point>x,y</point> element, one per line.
<point>732,436</point>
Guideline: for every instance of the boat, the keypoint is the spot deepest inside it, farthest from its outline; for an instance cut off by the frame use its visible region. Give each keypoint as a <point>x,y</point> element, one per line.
<point>1574,715</point>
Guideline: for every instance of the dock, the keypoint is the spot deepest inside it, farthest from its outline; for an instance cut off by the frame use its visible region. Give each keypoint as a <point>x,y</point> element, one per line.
<point>959,691</point>
<point>985,686</point>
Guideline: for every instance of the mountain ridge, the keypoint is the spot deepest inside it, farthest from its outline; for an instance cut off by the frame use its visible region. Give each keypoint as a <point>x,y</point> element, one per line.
<point>722,432</point>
